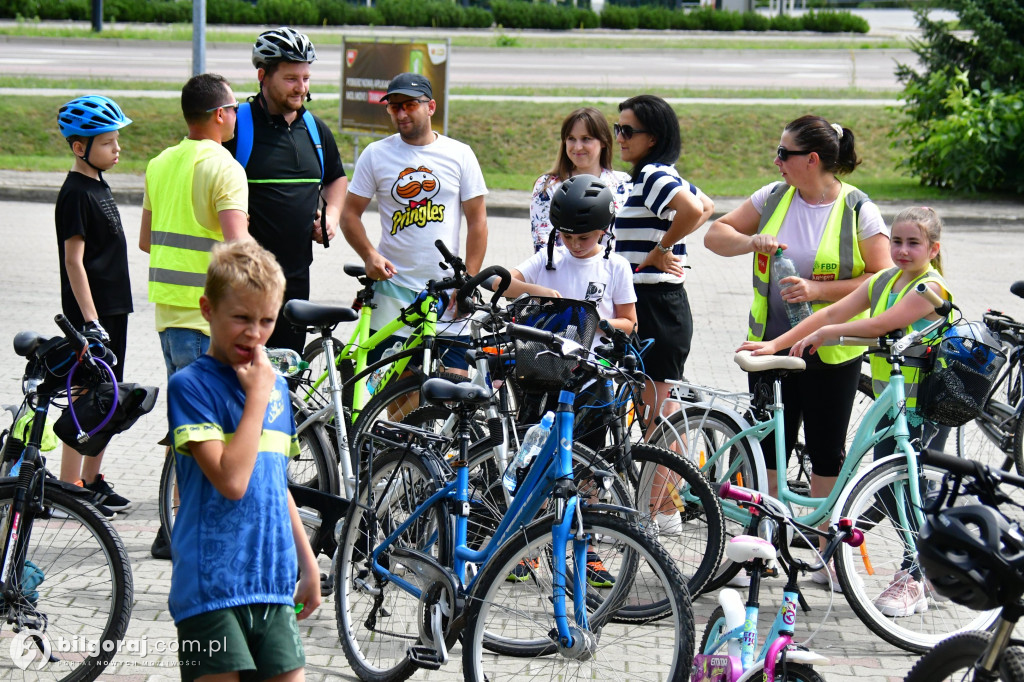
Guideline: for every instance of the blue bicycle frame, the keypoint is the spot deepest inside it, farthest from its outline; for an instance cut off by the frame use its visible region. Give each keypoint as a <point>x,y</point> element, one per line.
<point>551,467</point>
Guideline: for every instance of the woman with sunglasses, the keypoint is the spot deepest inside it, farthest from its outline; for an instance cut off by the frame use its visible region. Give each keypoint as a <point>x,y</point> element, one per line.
<point>585,149</point>
<point>660,211</point>
<point>837,239</point>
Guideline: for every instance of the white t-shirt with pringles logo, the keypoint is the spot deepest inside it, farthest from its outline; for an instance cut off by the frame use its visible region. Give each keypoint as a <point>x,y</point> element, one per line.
<point>419,191</point>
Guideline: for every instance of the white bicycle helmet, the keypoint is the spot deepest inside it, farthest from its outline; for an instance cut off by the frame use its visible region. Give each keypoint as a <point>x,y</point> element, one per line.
<point>282,45</point>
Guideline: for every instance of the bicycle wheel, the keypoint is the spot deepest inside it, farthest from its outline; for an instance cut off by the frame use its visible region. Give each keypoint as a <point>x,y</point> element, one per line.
<point>377,619</point>
<point>517,617</point>
<point>320,395</point>
<point>80,609</point>
<point>992,437</point>
<point>316,465</point>
<point>700,432</point>
<point>887,563</point>
<point>954,659</point>
<point>677,503</point>
<point>167,497</point>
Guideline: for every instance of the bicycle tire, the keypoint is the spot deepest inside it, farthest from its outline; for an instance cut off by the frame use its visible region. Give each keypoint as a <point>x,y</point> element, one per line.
<point>518,616</point>
<point>379,654</point>
<point>954,659</point>
<point>313,355</point>
<point>865,573</point>
<point>991,438</point>
<point>86,593</point>
<point>167,505</point>
<point>698,542</point>
<point>703,431</point>
<point>715,627</point>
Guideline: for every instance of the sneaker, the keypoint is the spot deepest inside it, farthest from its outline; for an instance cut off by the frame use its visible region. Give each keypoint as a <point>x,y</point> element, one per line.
<point>161,549</point>
<point>903,597</point>
<point>597,574</point>
<point>741,579</point>
<point>103,494</point>
<point>669,524</point>
<point>826,576</point>
<point>521,573</point>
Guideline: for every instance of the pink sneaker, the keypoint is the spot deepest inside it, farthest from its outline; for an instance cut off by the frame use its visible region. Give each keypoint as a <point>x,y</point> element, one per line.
<point>904,597</point>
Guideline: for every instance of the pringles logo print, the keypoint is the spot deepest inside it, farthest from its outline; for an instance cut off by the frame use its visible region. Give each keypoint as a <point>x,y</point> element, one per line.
<point>416,187</point>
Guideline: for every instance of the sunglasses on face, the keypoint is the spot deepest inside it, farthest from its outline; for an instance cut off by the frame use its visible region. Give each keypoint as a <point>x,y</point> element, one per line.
<point>233,105</point>
<point>409,105</point>
<point>627,131</point>
<point>784,153</point>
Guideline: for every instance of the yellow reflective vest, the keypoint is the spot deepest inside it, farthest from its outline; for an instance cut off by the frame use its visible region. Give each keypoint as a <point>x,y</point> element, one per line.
<point>179,245</point>
<point>879,289</point>
<point>838,257</point>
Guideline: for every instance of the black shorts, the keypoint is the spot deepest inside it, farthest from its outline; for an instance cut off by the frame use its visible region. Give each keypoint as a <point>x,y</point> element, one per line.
<point>663,314</point>
<point>821,399</point>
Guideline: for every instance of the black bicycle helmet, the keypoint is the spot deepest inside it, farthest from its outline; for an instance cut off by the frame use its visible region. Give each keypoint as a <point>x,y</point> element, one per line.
<point>972,555</point>
<point>582,204</point>
<point>282,45</point>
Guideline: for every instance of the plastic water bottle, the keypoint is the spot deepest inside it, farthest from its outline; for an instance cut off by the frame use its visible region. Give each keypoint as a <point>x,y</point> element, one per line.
<point>285,361</point>
<point>373,381</point>
<point>782,268</point>
<point>532,444</point>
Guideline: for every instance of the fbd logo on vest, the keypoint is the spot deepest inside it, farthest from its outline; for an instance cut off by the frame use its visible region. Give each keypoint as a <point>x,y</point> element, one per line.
<point>416,187</point>
<point>762,263</point>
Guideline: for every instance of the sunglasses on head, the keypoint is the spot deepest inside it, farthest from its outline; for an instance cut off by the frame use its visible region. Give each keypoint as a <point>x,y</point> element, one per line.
<point>784,153</point>
<point>233,105</point>
<point>627,131</point>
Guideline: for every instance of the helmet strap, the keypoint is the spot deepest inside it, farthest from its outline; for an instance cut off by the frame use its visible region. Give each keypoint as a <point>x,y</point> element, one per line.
<point>85,156</point>
<point>608,247</point>
<point>552,238</point>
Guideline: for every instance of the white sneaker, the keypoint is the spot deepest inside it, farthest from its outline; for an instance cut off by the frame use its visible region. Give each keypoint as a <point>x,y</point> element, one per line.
<point>903,597</point>
<point>827,576</point>
<point>741,579</point>
<point>669,524</point>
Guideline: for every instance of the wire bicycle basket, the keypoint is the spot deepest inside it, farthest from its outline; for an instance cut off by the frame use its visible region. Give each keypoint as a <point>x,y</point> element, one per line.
<point>575,320</point>
<point>967,360</point>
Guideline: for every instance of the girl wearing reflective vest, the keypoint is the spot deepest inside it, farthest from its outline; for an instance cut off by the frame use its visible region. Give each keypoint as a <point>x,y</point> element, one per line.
<point>836,237</point>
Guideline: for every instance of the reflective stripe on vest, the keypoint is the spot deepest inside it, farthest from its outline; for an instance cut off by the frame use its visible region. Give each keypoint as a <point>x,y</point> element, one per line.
<point>838,257</point>
<point>879,288</point>
<point>179,245</point>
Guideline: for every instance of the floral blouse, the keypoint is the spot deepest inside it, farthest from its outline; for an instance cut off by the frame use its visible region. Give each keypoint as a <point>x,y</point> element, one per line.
<point>540,206</point>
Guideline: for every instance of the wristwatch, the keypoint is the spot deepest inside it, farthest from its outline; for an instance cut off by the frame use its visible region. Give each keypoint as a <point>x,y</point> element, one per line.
<point>663,249</point>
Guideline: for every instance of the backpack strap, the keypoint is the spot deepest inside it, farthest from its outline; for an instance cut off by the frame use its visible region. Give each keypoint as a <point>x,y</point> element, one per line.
<point>243,134</point>
<point>314,135</point>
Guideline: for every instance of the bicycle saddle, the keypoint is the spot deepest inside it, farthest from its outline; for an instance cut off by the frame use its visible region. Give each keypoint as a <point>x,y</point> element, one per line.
<point>308,314</point>
<point>354,270</point>
<point>25,343</point>
<point>764,363</point>
<point>745,548</point>
<point>441,390</point>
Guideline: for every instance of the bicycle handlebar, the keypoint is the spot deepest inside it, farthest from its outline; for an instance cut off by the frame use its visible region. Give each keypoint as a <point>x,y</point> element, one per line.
<point>966,467</point>
<point>464,297</point>
<point>74,337</point>
<point>942,306</point>
<point>728,491</point>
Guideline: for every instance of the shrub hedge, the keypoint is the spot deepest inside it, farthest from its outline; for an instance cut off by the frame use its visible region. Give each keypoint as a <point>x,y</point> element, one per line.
<point>435,13</point>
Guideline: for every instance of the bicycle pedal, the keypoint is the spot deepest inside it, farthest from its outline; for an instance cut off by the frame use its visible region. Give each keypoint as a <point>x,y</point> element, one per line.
<point>425,657</point>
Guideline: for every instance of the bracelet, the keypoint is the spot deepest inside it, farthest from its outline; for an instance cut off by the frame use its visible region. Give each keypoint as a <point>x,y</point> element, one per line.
<point>663,249</point>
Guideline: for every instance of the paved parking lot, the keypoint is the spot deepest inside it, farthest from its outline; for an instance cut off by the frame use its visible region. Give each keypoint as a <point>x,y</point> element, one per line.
<point>980,265</point>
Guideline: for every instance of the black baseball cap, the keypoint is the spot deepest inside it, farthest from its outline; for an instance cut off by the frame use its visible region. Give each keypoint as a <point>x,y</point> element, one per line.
<point>411,84</point>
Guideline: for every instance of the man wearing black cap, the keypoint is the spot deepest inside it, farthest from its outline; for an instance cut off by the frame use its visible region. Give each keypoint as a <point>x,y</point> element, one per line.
<point>424,183</point>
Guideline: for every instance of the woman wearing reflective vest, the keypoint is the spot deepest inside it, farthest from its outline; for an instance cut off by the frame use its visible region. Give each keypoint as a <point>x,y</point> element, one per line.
<point>836,237</point>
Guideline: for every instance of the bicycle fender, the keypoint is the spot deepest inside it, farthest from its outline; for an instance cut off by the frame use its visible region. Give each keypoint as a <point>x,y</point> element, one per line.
<point>837,511</point>
<point>69,488</point>
<point>756,672</point>
<point>752,443</point>
<point>614,508</point>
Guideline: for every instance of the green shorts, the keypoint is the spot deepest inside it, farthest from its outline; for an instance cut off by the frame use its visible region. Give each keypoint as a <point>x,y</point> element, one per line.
<point>259,641</point>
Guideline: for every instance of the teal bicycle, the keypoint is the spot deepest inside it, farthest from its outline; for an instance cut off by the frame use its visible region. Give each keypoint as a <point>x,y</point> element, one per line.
<point>723,436</point>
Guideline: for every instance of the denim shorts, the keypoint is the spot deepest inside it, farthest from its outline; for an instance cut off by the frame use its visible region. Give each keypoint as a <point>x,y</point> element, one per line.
<point>181,347</point>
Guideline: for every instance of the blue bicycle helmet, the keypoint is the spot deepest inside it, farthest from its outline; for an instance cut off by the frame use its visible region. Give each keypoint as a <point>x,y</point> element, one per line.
<point>90,116</point>
<point>972,344</point>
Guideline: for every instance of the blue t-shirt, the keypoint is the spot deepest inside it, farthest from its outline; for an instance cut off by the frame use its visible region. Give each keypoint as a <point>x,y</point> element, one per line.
<point>229,553</point>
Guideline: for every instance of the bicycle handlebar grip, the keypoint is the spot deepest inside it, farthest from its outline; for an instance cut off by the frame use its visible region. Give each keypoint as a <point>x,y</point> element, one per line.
<point>727,491</point>
<point>445,253</point>
<point>71,334</point>
<point>956,465</point>
<point>942,307</point>
<point>858,341</point>
<point>521,331</point>
<point>466,290</point>
<point>1017,289</point>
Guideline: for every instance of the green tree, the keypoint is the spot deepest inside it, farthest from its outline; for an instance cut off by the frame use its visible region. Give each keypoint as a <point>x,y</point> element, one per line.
<point>964,122</point>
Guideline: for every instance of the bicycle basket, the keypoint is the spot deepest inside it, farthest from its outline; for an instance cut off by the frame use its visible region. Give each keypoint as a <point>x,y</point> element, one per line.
<point>571,319</point>
<point>967,360</point>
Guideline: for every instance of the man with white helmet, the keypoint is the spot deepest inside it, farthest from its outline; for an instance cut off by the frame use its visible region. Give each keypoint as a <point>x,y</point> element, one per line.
<point>292,163</point>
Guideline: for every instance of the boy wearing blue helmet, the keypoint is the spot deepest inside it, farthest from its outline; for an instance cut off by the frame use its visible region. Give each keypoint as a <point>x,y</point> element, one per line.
<point>95,291</point>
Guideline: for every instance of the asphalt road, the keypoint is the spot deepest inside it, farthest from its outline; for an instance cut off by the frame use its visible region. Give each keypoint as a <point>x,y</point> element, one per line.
<point>871,69</point>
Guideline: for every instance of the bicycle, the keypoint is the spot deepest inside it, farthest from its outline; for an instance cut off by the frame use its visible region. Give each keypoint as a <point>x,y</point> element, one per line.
<point>996,436</point>
<point>65,578</point>
<point>731,633</point>
<point>409,584</point>
<point>993,577</point>
<point>734,454</point>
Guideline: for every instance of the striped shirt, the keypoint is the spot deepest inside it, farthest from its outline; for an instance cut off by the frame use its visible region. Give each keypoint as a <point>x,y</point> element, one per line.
<point>646,217</point>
